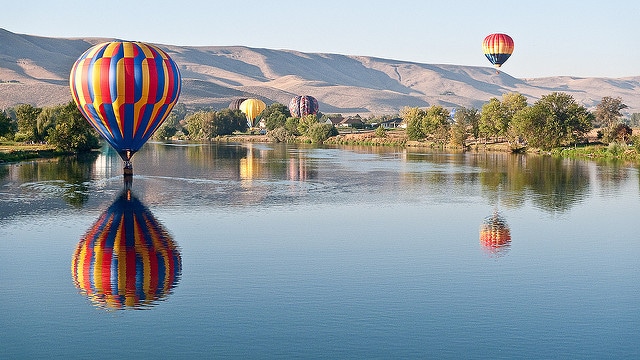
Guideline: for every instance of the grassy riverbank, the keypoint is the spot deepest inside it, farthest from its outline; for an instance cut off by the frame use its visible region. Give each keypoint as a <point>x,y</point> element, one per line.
<point>12,151</point>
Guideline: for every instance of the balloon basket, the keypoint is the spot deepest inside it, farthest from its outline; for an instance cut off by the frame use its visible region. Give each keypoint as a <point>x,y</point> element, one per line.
<point>128,174</point>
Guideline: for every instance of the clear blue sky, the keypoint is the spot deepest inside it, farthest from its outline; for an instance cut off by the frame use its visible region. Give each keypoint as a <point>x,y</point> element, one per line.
<point>581,38</point>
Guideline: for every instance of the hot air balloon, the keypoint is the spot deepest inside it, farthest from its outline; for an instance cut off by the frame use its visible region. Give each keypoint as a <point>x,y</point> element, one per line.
<point>497,48</point>
<point>252,108</point>
<point>126,259</point>
<point>495,236</point>
<point>303,105</point>
<point>125,90</point>
<point>235,104</point>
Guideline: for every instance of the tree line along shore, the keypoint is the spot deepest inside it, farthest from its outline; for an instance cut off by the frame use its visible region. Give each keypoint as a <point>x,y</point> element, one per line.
<point>555,124</point>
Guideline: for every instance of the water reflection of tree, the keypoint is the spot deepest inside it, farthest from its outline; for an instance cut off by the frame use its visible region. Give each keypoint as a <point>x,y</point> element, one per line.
<point>553,184</point>
<point>70,174</point>
<point>611,175</point>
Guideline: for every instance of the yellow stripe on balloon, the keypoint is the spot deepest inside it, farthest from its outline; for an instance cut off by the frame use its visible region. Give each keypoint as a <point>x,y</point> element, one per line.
<point>95,84</point>
<point>110,50</point>
<point>120,252</point>
<point>120,99</point>
<point>94,50</point>
<point>146,49</point>
<point>139,105</point>
<point>166,252</point>
<point>143,249</point>
<point>128,50</point>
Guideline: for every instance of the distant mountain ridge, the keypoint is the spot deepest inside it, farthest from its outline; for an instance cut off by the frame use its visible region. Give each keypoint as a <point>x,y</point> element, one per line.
<point>35,70</point>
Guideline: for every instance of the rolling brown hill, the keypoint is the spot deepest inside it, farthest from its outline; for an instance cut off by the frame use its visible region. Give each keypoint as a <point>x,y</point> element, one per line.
<point>35,70</point>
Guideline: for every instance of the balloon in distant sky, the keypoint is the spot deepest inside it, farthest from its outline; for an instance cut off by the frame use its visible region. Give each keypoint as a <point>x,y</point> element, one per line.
<point>252,108</point>
<point>235,104</point>
<point>303,105</point>
<point>497,48</point>
<point>125,90</point>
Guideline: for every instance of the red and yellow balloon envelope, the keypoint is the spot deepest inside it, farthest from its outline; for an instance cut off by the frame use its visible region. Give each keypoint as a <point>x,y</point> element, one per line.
<point>497,48</point>
<point>126,260</point>
<point>125,90</point>
<point>303,105</point>
<point>495,236</point>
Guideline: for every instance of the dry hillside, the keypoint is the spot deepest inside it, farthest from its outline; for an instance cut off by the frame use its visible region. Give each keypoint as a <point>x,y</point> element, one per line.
<point>35,70</point>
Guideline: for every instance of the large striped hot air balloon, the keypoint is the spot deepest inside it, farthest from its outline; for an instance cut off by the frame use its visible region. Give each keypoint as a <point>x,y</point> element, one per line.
<point>125,90</point>
<point>303,105</point>
<point>126,259</point>
<point>495,235</point>
<point>251,109</point>
<point>497,48</point>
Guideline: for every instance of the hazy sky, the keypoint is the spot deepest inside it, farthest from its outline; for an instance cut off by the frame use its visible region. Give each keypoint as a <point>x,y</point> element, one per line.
<point>578,38</point>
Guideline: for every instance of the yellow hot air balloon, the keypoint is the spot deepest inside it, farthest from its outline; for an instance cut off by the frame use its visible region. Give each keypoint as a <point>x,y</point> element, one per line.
<point>252,108</point>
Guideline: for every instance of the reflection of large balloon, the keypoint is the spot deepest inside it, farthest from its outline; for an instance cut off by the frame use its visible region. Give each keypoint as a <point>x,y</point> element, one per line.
<point>497,48</point>
<point>125,90</point>
<point>252,108</point>
<point>126,259</point>
<point>303,105</point>
<point>235,104</point>
<point>495,235</point>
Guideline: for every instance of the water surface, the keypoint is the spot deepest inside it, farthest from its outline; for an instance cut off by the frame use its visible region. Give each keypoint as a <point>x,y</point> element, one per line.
<point>281,251</point>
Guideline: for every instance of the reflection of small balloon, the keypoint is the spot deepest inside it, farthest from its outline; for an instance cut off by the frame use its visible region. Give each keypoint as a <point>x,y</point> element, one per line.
<point>125,90</point>
<point>126,259</point>
<point>497,48</point>
<point>303,105</point>
<point>252,108</point>
<point>495,235</point>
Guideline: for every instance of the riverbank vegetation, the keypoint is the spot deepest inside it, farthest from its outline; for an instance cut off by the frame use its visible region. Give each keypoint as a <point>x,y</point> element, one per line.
<point>555,124</point>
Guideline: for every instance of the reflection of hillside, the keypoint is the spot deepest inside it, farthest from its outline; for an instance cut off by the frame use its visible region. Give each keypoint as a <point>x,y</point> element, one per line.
<point>126,259</point>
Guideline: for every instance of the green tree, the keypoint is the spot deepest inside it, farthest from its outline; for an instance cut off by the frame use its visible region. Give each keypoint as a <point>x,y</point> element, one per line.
<point>226,121</point>
<point>71,131</point>
<point>634,119</point>
<point>496,115</point>
<point>512,103</point>
<point>413,117</point>
<point>319,132</point>
<point>554,120</point>
<point>27,119</point>
<point>275,116</point>
<point>291,125</point>
<point>200,125</point>
<point>45,121</point>
<point>607,113</point>
<point>492,119</point>
<point>380,132</point>
<point>7,126</point>
<point>470,117</point>
<point>436,124</point>
<point>171,124</point>
<point>205,125</point>
<point>305,123</point>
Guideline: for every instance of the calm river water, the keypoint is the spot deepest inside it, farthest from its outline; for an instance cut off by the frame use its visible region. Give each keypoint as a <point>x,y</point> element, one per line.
<point>281,251</point>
